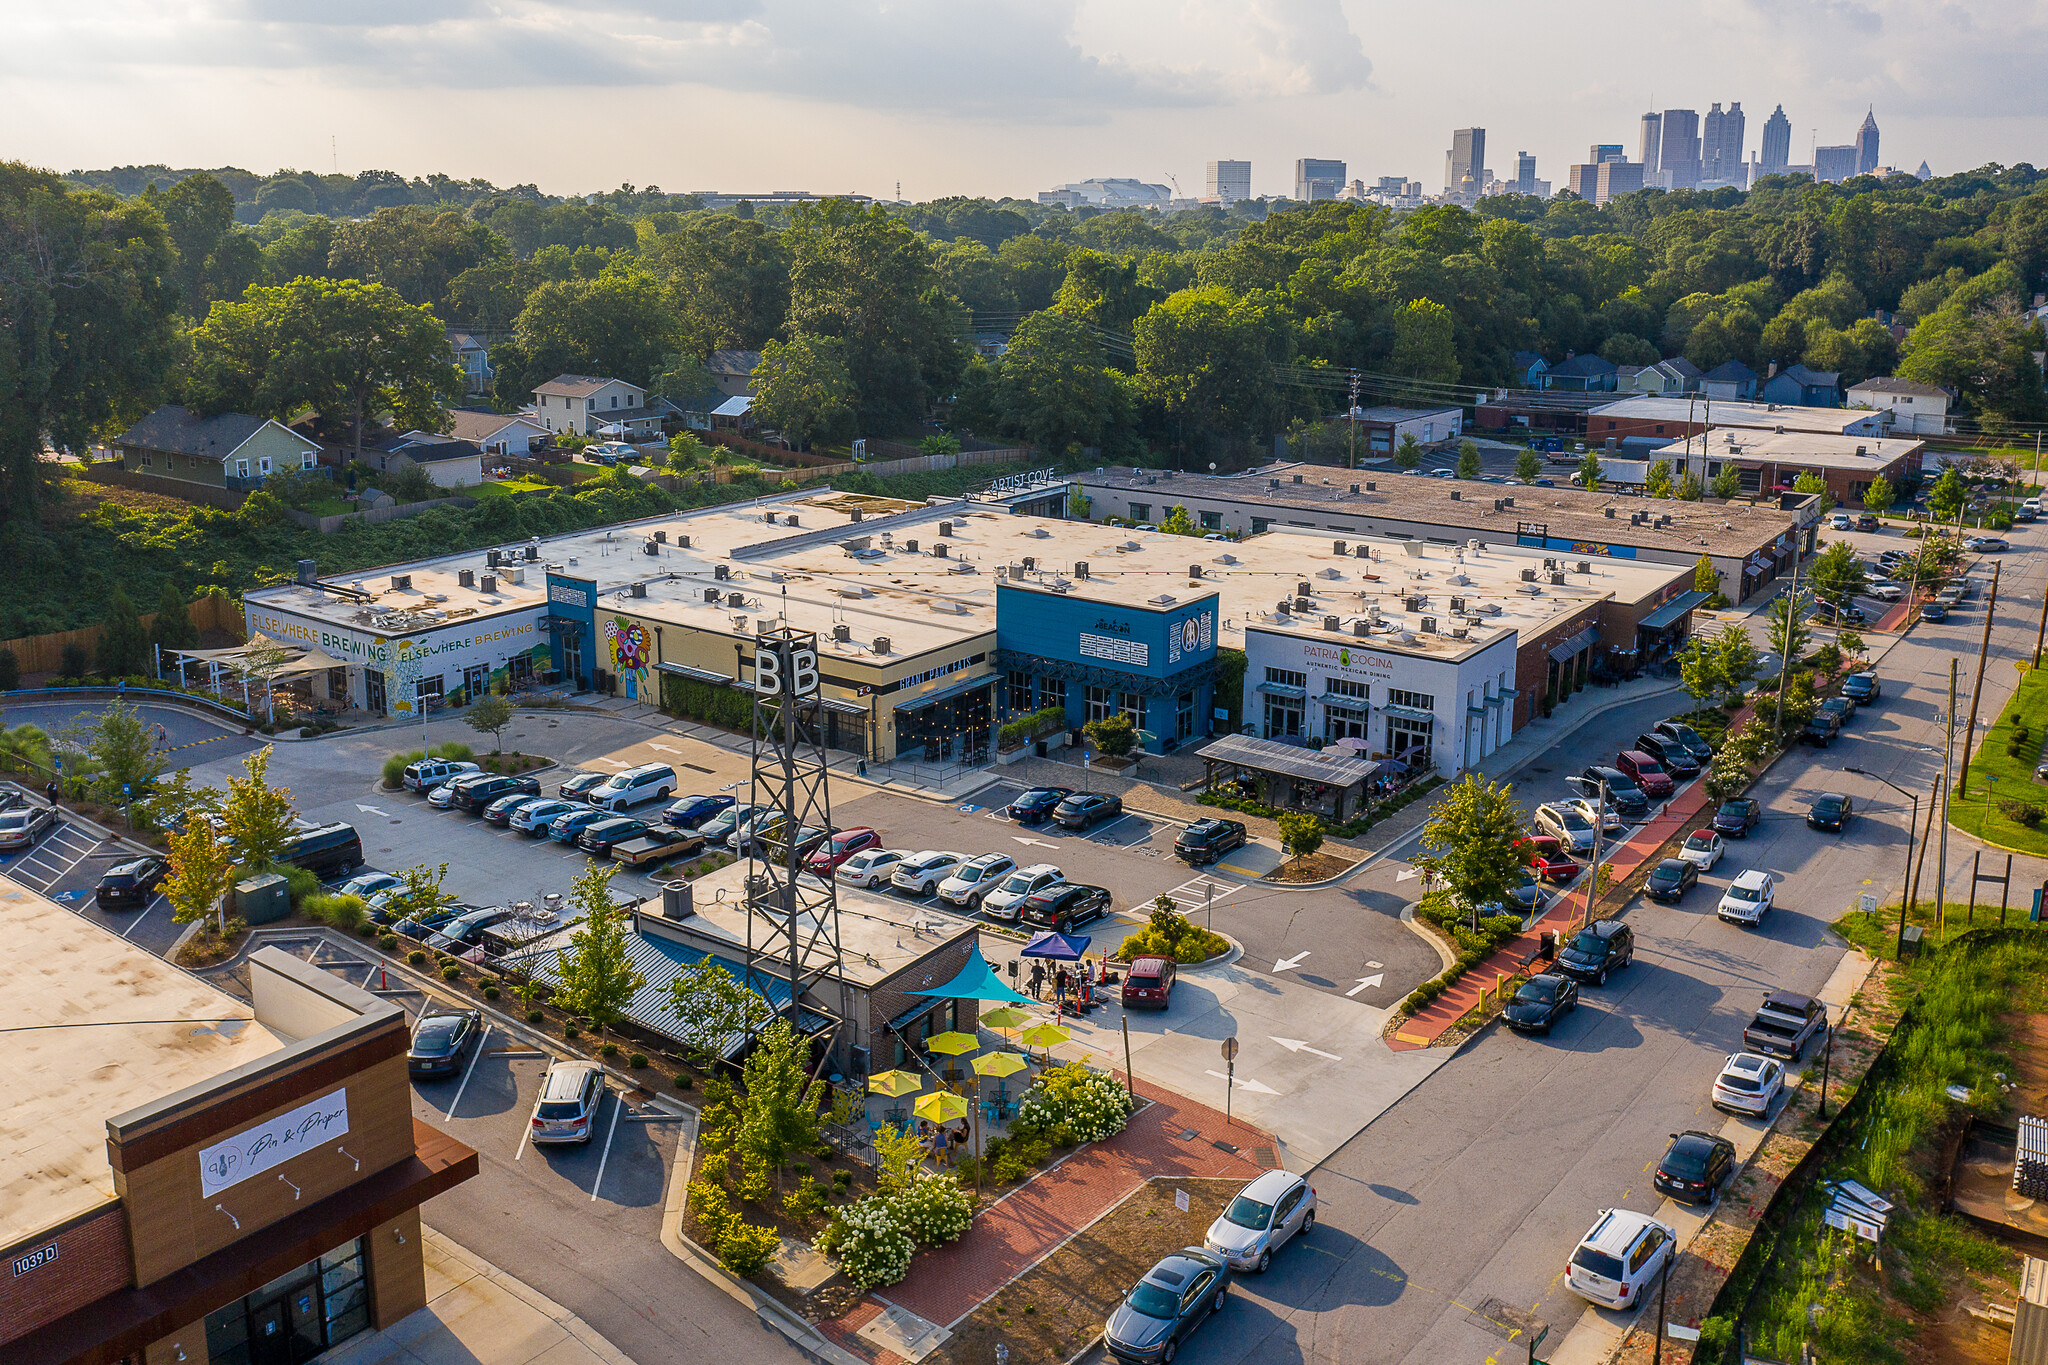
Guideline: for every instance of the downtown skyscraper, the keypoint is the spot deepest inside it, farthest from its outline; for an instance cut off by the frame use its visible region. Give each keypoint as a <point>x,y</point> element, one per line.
<point>1776,152</point>
<point>1721,145</point>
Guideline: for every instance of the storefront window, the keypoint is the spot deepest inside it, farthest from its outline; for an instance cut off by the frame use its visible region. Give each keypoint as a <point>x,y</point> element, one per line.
<point>1343,687</point>
<point>1340,722</point>
<point>1212,521</point>
<point>1184,716</point>
<point>1134,709</point>
<point>1286,677</point>
<point>296,1316</point>
<point>1020,693</point>
<point>1099,701</point>
<point>1421,701</point>
<point>1283,717</point>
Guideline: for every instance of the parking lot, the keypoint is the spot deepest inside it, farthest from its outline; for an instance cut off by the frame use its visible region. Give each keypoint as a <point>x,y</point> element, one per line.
<point>67,863</point>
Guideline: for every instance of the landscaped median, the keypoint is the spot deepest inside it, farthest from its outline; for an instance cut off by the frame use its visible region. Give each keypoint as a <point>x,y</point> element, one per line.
<point>2002,803</point>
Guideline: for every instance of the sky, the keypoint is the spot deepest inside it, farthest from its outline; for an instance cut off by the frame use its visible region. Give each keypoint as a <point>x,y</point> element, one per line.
<point>986,97</point>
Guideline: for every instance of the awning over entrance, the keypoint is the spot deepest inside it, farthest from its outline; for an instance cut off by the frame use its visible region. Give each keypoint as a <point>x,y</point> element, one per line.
<point>1332,767</point>
<point>699,674</point>
<point>946,694</point>
<point>1572,646</point>
<point>1415,713</point>
<point>844,708</point>
<point>1668,615</point>
<point>1273,689</point>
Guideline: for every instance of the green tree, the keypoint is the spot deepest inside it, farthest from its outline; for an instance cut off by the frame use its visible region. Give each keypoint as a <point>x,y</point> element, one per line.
<point>1837,574</point>
<point>256,815</point>
<point>202,873</point>
<point>1301,832</point>
<point>172,628</point>
<point>596,969</point>
<point>1588,475</point>
<point>686,450</point>
<point>727,277</point>
<point>1078,503</point>
<point>1205,357</point>
<point>1468,459</point>
<point>804,389</point>
<point>713,1008</point>
<point>1425,342</point>
<point>1705,577</point>
<point>1689,488</point>
<point>119,750</point>
<point>1528,466</point>
<point>1728,776</point>
<point>779,1116</point>
<point>1813,485</point>
<point>216,260</point>
<point>421,895</point>
<point>1728,482</point>
<point>1113,736</point>
<point>124,644</point>
<point>1179,523</point>
<point>1878,497</point>
<point>350,349</point>
<point>1474,842</point>
<point>1699,669</point>
<point>1948,495</point>
<point>1736,658</point>
<point>1408,454</point>
<point>1052,387</point>
<point>489,715</point>
<point>1657,481</point>
<point>414,250</point>
<point>1786,629</point>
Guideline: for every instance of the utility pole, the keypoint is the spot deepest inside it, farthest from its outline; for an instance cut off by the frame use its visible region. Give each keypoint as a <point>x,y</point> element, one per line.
<point>1351,415</point>
<point>1976,693</point>
<point>1947,757</point>
<point>1593,867</point>
<point>2040,634</point>
<point>1785,654</point>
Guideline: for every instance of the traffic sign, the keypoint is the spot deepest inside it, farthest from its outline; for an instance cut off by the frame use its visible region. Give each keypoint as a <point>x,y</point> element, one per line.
<point>1230,1048</point>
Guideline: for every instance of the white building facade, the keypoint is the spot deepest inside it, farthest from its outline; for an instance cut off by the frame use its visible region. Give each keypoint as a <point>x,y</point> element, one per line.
<point>394,665</point>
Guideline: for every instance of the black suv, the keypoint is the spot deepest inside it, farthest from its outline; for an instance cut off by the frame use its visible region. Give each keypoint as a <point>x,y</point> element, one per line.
<point>1821,730</point>
<point>1862,688</point>
<point>1674,756</point>
<point>1686,735</point>
<point>1064,906</point>
<point>1602,947</point>
<point>131,885</point>
<point>474,796</point>
<point>1205,841</point>
<point>1738,816</point>
<point>1694,1166</point>
<point>1671,879</point>
<point>1623,794</point>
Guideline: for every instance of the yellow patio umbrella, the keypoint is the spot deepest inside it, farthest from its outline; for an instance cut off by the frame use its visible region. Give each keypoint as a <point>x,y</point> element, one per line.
<point>998,1064</point>
<point>940,1107</point>
<point>1008,1017</point>
<point>1044,1035</point>
<point>952,1044</point>
<point>894,1084</point>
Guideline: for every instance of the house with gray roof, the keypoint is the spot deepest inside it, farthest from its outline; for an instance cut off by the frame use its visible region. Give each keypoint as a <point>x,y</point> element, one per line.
<point>588,405</point>
<point>233,450</point>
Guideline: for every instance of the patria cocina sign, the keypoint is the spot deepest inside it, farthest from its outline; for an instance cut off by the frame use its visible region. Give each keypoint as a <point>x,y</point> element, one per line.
<point>1355,663</point>
<point>272,1142</point>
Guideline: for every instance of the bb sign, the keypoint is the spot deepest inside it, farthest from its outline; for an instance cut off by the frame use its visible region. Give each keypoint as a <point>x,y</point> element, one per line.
<point>786,671</point>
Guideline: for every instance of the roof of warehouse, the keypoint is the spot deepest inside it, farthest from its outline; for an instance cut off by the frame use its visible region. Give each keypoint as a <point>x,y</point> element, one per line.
<point>1729,413</point>
<point>1819,449</point>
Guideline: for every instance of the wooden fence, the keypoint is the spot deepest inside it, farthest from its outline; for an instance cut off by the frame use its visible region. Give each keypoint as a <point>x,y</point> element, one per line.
<point>45,653</point>
<point>111,472</point>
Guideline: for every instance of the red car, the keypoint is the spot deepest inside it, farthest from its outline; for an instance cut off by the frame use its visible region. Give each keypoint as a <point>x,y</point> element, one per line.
<point>1149,983</point>
<point>1647,771</point>
<point>1551,862</point>
<point>839,848</point>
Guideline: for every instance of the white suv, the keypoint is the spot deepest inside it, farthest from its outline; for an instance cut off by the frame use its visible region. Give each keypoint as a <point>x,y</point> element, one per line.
<point>1006,902</point>
<point>921,873</point>
<point>973,880</point>
<point>621,791</point>
<point>1616,1262</point>
<point>1567,824</point>
<point>1749,897</point>
<point>872,868</point>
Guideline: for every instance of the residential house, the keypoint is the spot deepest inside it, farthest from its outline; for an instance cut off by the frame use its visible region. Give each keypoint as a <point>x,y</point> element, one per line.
<point>599,407</point>
<point>1796,386</point>
<point>1731,380</point>
<point>1582,374</point>
<point>232,450</point>
<point>1665,379</point>
<point>473,357</point>
<point>1528,370</point>
<point>733,372</point>
<point>449,462</point>
<point>495,433</point>
<point>1921,409</point>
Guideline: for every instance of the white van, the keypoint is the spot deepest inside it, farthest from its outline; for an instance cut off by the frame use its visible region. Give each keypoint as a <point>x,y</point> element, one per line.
<point>621,791</point>
<point>430,773</point>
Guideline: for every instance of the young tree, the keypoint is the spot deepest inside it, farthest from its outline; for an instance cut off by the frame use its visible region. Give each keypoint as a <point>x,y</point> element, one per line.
<point>123,642</point>
<point>1078,504</point>
<point>1705,577</point>
<point>779,1117</point>
<point>1689,488</point>
<point>1737,658</point>
<point>1468,459</point>
<point>73,662</point>
<point>686,451</point>
<point>1301,833</point>
<point>1727,483</point>
<point>176,798</point>
<point>422,897</point>
<point>1179,523</point>
<point>1878,497</point>
<point>1814,485</point>
<point>264,660</point>
<point>1657,481</point>
<point>1409,454</point>
<point>256,815</point>
<point>1837,574</point>
<point>1113,736</point>
<point>713,1007</point>
<point>1475,843</point>
<point>173,628</point>
<point>598,976</point>
<point>1850,643</point>
<point>1948,495</point>
<point>1727,775</point>
<point>1588,474</point>
<point>202,874</point>
<point>804,389</point>
<point>489,715</point>
<point>1528,467</point>
<point>1787,629</point>
<point>120,752</point>
<point>1699,668</point>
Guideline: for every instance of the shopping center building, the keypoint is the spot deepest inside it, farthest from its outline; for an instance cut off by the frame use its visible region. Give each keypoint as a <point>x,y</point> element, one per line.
<point>188,1178</point>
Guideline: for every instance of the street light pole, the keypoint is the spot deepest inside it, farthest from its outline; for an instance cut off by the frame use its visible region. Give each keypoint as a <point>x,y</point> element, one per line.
<point>1905,901</point>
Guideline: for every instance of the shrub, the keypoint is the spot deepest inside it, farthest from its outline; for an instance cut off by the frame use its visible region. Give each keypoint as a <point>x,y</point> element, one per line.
<point>685,1081</point>
<point>534,1016</point>
<point>806,1201</point>
<point>491,992</point>
<point>712,1210</point>
<point>842,1179</point>
<point>302,882</point>
<point>1088,1103</point>
<point>570,1030</point>
<point>388,942</point>
<point>609,1051</point>
<point>416,958</point>
<point>746,1247</point>
<point>934,1209</point>
<point>872,1249</point>
<point>451,972</point>
<point>637,1060</point>
<point>2021,812</point>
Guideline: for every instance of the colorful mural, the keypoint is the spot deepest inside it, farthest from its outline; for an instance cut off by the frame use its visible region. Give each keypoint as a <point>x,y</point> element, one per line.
<point>627,646</point>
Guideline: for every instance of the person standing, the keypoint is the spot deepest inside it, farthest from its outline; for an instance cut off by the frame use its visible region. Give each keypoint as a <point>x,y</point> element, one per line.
<point>51,792</point>
<point>1038,981</point>
<point>1061,983</point>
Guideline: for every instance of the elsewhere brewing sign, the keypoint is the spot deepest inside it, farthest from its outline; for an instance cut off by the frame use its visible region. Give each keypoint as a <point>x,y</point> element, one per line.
<point>272,1143</point>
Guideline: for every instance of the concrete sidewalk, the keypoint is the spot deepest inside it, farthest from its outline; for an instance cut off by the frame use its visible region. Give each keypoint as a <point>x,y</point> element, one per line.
<point>478,1315</point>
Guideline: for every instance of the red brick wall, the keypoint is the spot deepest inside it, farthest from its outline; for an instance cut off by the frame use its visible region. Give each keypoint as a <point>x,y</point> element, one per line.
<point>894,996</point>
<point>92,1262</point>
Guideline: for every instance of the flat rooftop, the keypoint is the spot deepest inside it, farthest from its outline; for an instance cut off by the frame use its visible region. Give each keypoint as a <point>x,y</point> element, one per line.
<point>1764,416</point>
<point>96,1027</point>
<point>1324,495</point>
<point>1822,450</point>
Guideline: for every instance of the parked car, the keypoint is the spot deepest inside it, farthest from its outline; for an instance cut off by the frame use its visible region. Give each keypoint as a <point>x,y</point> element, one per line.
<point>1839,521</point>
<point>872,868</point>
<point>1830,813</point>
<point>1618,1261</point>
<point>1886,592</point>
<point>1264,1216</point>
<point>571,823</point>
<point>659,844</point>
<point>1037,804</point>
<point>1567,824</point>
<point>1005,901</point>
<point>1737,816</point>
<point>688,812</point>
<point>1934,611</point>
<point>1064,906</point>
<point>1161,1309</point>
<point>1841,708</point>
<point>368,884</point>
<point>1848,614</point>
<point>975,878</point>
<point>1647,773</point>
<point>720,827</point>
<point>1866,521</point>
<point>466,930</point>
<point>1085,809</point>
<point>829,855</point>
<point>1694,1167</point>
<point>442,797</point>
<point>1541,1002</point>
<point>579,787</point>
<point>131,885</point>
<point>1686,735</point>
<point>1748,1084</point>
<point>570,1096</point>
<point>420,924</point>
<point>1703,849</point>
<point>442,1041</point>
<point>1549,861</point>
<point>601,836</point>
<point>1672,756</point>
<point>633,787</point>
<point>1148,983</point>
<point>921,873</point>
<point>1623,795</point>
<point>1608,818</point>
<point>1821,730</point>
<point>429,773</point>
<point>476,797</point>
<point>326,851</point>
<point>1987,545</point>
<point>1671,879</point>
<point>1598,951</point>
<point>1784,1024</point>
<point>535,816</point>
<point>501,811</point>
<point>1206,841</point>
<point>1748,898</point>
<point>1862,688</point>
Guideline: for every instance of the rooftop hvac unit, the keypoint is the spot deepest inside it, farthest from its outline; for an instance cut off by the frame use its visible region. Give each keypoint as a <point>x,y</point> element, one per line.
<point>842,632</point>
<point>401,582</point>
<point>855,515</point>
<point>1302,606</point>
<point>1283,606</point>
<point>682,542</point>
<point>1411,603</point>
<point>1498,504</point>
<point>1361,627</point>
<point>533,551</point>
<point>1297,478</point>
<point>1457,604</point>
<point>636,590</point>
<point>1194,571</point>
<point>1461,631</point>
<point>945,528</point>
<point>1303,588</point>
<point>678,900</point>
<point>789,518</point>
<point>1528,575</point>
<point>1030,563</point>
<point>661,537</point>
<point>881,644</point>
<point>1609,511</point>
<point>768,517</point>
<point>652,547</point>
<point>1456,496</point>
<point>1337,547</point>
<point>1429,625</point>
<point>910,547</point>
<point>1080,568</point>
<point>1363,552</point>
<point>721,572</point>
<point>1371,487</point>
<point>736,601</point>
<point>514,574</point>
<point>1509,501</point>
<point>1331,623</point>
<point>1585,566</point>
<point>491,558</point>
<point>307,576</point>
<point>939,549</point>
<point>464,577</point>
<point>1557,580</point>
<point>488,583</point>
<point>712,594</point>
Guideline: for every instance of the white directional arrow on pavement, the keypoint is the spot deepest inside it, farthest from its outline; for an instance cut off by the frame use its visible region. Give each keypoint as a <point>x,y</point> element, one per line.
<point>372,810</point>
<point>1365,983</point>
<point>1404,876</point>
<point>1288,964</point>
<point>663,747</point>
<point>1296,1045</point>
<point>1243,1084</point>
<point>1040,843</point>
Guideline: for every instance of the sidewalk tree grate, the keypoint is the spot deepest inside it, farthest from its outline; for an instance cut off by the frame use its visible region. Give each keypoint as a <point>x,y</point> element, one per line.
<point>1187,1135</point>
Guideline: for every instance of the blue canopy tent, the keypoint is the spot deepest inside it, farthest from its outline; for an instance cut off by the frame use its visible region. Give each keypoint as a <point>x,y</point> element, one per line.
<point>1060,947</point>
<point>976,980</point>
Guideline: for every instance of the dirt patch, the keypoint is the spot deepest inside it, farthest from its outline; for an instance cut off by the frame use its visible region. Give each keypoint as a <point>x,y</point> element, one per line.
<point>206,949</point>
<point>1315,867</point>
<point>1058,1307</point>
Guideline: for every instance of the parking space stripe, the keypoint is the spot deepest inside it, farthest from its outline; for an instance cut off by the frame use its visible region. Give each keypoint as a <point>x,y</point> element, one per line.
<point>143,916</point>
<point>469,1070</point>
<point>618,1107</point>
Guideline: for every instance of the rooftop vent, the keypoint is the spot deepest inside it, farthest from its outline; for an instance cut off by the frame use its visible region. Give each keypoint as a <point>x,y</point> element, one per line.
<point>488,583</point>
<point>712,594</point>
<point>307,577</point>
<point>466,578</point>
<point>1861,450</point>
<point>636,590</point>
<point>1585,566</point>
<point>1163,600</point>
<point>1332,623</point>
<point>721,572</point>
<point>842,632</point>
<point>881,644</point>
<point>853,590</point>
<point>1080,568</point>
<point>1456,496</point>
<point>1272,483</point>
<point>1194,571</point>
<point>401,582</point>
<point>1609,511</point>
<point>1509,501</point>
<point>652,547</point>
<point>768,517</point>
<point>1303,588</point>
<point>1461,631</point>
<point>661,537</point>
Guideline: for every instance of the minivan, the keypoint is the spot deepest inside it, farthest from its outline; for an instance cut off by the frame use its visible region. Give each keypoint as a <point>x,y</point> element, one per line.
<point>648,782</point>
<point>327,851</point>
<point>430,773</point>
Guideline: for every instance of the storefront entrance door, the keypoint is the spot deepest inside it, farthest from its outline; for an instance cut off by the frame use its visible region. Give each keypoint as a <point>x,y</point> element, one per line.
<point>270,1337</point>
<point>373,691</point>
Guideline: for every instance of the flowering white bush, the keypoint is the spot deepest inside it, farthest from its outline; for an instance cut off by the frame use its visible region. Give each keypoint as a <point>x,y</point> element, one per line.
<point>1089,1104</point>
<point>871,1247</point>
<point>934,1209</point>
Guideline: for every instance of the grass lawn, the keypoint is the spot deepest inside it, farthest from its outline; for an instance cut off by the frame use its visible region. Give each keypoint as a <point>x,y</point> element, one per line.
<point>504,488</point>
<point>2008,778</point>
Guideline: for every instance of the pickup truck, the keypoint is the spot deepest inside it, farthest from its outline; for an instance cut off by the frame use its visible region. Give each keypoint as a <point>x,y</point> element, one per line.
<point>1784,1024</point>
<point>658,844</point>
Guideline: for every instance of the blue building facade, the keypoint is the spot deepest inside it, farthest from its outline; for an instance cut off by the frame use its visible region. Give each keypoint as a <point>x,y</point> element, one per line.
<point>572,619</point>
<point>1155,663</point>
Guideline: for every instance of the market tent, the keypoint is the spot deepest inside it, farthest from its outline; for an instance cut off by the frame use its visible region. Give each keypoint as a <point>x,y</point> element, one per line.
<point>1061,947</point>
<point>312,661</point>
<point>976,980</point>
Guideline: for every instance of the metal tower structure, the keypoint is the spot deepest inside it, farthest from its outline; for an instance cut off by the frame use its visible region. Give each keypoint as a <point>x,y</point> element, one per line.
<point>793,924</point>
